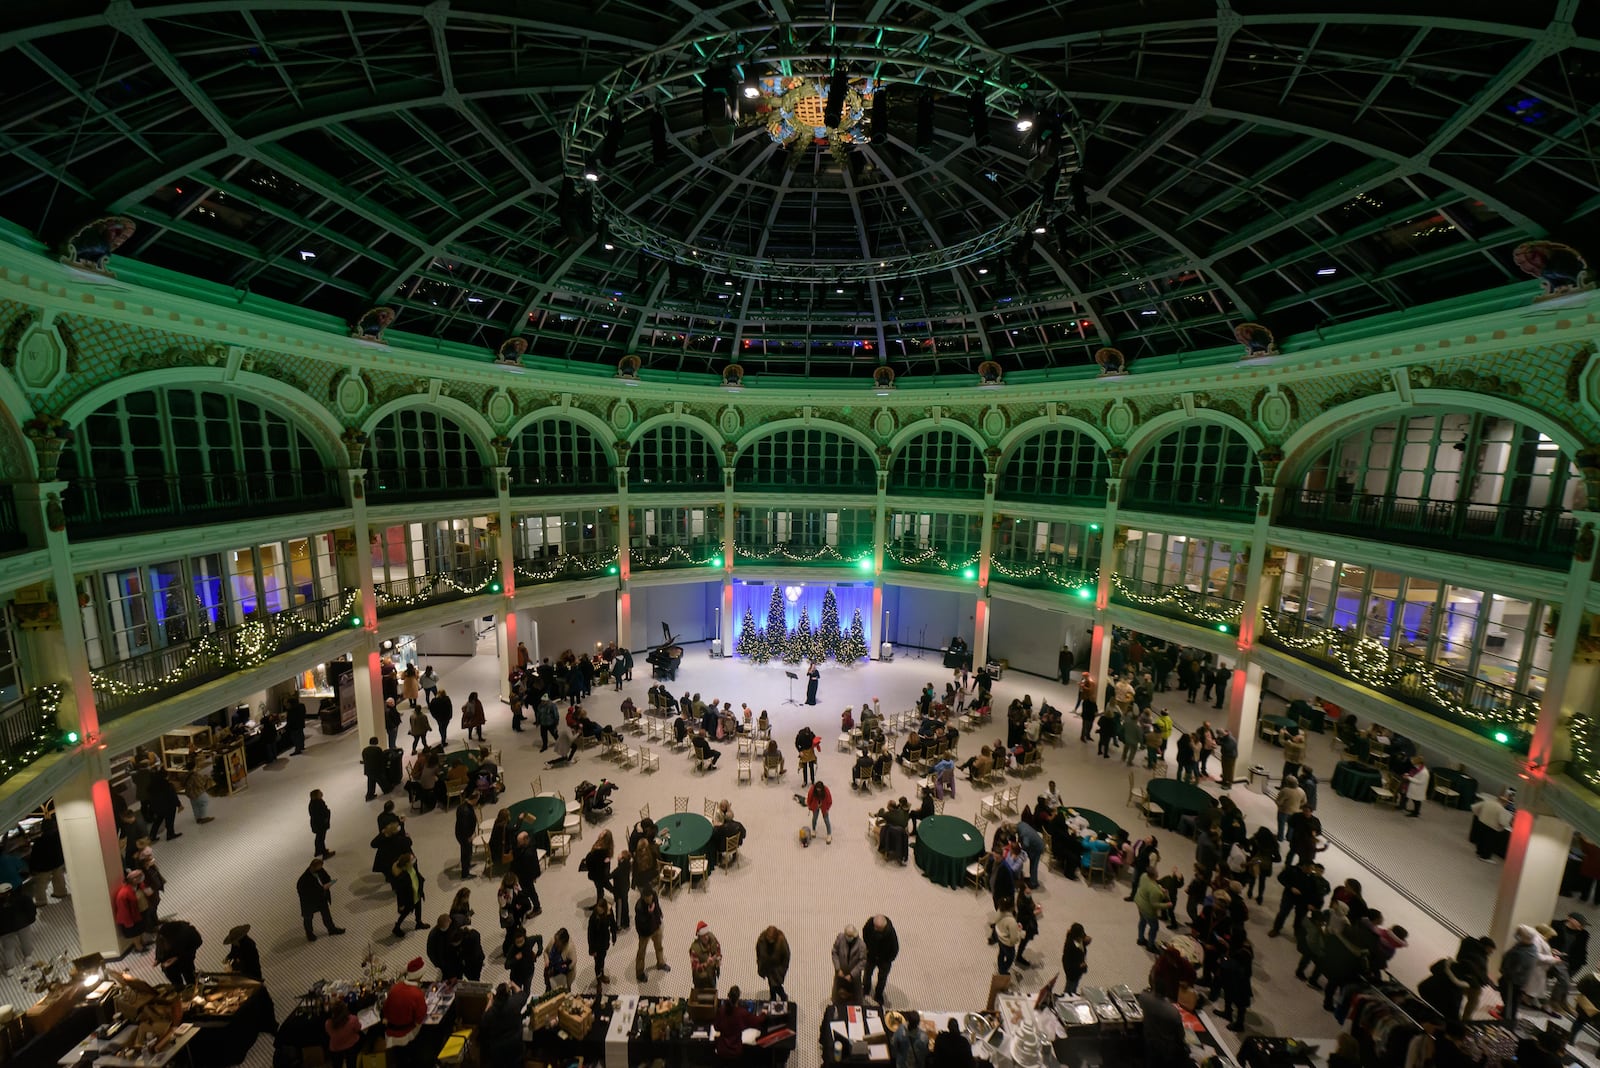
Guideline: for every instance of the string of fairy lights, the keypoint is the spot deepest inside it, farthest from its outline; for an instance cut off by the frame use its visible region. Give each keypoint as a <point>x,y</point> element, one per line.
<point>931,556</point>
<point>433,585</point>
<point>789,554</point>
<point>1079,583</point>
<point>1373,665</point>
<point>43,735</point>
<point>1193,605</point>
<point>671,556</point>
<point>248,645</point>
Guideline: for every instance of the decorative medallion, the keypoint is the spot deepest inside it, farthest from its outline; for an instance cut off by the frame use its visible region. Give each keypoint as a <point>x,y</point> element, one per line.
<point>883,380</point>
<point>994,423</point>
<point>500,408</point>
<point>883,423</point>
<point>41,360</point>
<point>628,369</point>
<point>733,378</point>
<point>621,415</point>
<point>1275,410</point>
<point>730,420</point>
<point>351,394</point>
<point>1120,418</point>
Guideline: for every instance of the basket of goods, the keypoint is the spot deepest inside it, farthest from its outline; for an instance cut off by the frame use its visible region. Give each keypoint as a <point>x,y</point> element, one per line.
<point>576,1016</point>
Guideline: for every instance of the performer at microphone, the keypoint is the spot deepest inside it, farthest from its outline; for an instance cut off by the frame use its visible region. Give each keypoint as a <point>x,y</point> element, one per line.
<point>812,678</point>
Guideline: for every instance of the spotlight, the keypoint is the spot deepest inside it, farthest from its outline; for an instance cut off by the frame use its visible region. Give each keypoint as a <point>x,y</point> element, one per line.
<point>978,116</point>
<point>658,137</point>
<point>591,171</point>
<point>925,121</point>
<point>838,86</point>
<point>750,87</point>
<point>1025,116</point>
<point>880,116</point>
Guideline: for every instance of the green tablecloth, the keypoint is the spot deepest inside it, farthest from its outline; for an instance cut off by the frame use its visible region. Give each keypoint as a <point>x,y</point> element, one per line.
<point>548,814</point>
<point>688,834</point>
<point>467,757</point>
<point>945,846</point>
<point>1103,826</point>
<point>1356,781</point>
<point>1178,799</point>
<point>1277,723</point>
<point>1459,781</point>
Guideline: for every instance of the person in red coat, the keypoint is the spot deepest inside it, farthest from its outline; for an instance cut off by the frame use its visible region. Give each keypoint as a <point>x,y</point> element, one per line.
<point>126,911</point>
<point>819,801</point>
<point>731,1021</point>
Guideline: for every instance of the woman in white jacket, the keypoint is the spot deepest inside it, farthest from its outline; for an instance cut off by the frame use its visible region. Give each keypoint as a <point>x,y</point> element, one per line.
<point>1416,786</point>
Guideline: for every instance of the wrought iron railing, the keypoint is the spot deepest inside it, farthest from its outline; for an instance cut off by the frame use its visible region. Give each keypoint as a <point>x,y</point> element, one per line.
<point>800,551</point>
<point>802,478</point>
<point>99,507</point>
<point>1191,498</point>
<point>432,483</point>
<point>673,479</point>
<point>1513,532</point>
<point>920,483</point>
<point>558,566</point>
<point>413,591</point>
<point>29,729</point>
<point>127,685</point>
<point>1443,691</point>
<point>545,481</point>
<point>1049,490</point>
<point>1178,602</point>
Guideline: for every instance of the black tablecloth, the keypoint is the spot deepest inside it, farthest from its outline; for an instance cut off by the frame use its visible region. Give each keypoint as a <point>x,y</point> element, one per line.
<point>45,1050</point>
<point>227,1040</point>
<point>1464,785</point>
<point>1177,800</point>
<point>1355,781</point>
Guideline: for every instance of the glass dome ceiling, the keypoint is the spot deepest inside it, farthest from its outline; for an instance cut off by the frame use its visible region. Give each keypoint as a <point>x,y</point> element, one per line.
<point>1181,170</point>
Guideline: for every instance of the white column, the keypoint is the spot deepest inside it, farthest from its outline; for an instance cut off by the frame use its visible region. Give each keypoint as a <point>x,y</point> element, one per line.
<point>880,523</point>
<point>1244,708</point>
<point>1530,879</point>
<point>505,622</point>
<point>357,565</point>
<point>725,594</point>
<point>624,520</point>
<point>980,616</point>
<point>93,861</point>
<point>1260,594</point>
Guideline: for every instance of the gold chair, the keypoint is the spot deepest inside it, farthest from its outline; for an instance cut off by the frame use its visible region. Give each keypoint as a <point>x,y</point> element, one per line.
<point>644,812</point>
<point>730,851</point>
<point>743,765</point>
<point>668,878</point>
<point>699,867</point>
<point>680,804</point>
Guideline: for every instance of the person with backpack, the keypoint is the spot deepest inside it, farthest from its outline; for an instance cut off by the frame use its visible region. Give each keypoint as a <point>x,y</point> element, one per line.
<point>805,743</point>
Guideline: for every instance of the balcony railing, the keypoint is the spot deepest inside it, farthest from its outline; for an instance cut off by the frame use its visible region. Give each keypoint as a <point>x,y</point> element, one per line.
<point>558,566</point>
<point>428,483</point>
<point>1452,695</point>
<point>1191,498</point>
<point>803,479</point>
<point>1512,532</point>
<point>936,483</point>
<point>131,684</point>
<point>28,729</point>
<point>1070,574</point>
<point>1055,490</point>
<point>688,552</point>
<point>98,507</point>
<point>784,553</point>
<point>674,479</point>
<point>934,559</point>
<point>1191,605</point>
<point>547,481</point>
<point>414,591</point>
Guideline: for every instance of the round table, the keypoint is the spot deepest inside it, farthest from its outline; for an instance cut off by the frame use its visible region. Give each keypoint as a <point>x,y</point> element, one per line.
<point>548,814</point>
<point>1277,723</point>
<point>1102,826</point>
<point>469,758</point>
<point>1355,781</point>
<point>688,834</point>
<point>1177,800</point>
<point>945,846</point>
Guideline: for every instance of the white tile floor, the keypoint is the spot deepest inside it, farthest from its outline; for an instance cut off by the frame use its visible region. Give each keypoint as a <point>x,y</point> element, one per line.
<point>242,868</point>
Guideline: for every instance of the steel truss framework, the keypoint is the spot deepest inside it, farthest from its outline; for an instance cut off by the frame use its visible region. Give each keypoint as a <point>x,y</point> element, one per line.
<point>1296,166</point>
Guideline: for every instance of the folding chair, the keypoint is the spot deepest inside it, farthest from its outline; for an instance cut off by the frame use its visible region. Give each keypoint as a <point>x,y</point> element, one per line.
<point>743,764</point>
<point>648,760</point>
<point>699,868</point>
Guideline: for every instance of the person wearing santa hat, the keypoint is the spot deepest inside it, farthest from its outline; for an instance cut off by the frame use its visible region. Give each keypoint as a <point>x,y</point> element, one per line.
<point>404,1009</point>
<point>705,957</point>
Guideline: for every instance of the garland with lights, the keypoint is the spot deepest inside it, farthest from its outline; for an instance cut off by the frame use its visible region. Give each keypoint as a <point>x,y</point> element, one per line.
<point>853,646</point>
<point>1075,580</point>
<point>1583,765</point>
<point>246,646</point>
<point>793,556</point>
<point>43,735</point>
<point>432,585</point>
<point>1368,662</point>
<point>828,625</point>
<point>567,563</point>
<point>648,558</point>
<point>1191,604</point>
<point>923,557</point>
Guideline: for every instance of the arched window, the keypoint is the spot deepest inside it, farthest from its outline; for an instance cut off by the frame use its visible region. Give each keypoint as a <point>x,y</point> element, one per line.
<point>558,456</point>
<point>148,456</point>
<point>1057,464</point>
<point>801,459</point>
<point>1199,467</point>
<point>669,458</point>
<point>939,463</point>
<point>418,452</point>
<point>1484,482</point>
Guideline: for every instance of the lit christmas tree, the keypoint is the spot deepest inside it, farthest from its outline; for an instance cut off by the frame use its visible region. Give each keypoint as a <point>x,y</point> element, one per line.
<point>853,646</point>
<point>776,634</point>
<point>828,628</point>
<point>752,643</point>
<point>798,647</point>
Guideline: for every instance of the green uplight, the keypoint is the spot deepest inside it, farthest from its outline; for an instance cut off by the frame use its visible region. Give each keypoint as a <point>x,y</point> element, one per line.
<point>612,570</point>
<point>716,561</point>
<point>72,737</point>
<point>865,563</point>
<point>1084,593</point>
<point>1223,627</point>
<point>969,574</point>
<point>355,621</point>
<point>494,587</point>
<point>1502,737</point>
<point>1094,526</point>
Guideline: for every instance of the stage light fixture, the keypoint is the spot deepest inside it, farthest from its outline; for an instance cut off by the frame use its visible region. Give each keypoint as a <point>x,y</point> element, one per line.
<point>612,140</point>
<point>591,171</point>
<point>1026,116</point>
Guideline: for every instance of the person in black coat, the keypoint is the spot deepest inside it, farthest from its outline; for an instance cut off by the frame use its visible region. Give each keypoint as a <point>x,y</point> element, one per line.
<point>883,946</point>
<point>602,936</point>
<point>467,830</point>
<point>442,711</point>
<point>442,952</point>
<point>243,958</point>
<point>525,863</point>
<point>522,960</point>
<point>500,1031</point>
<point>410,890</point>
<point>161,805</point>
<point>47,862</point>
<point>294,714</point>
<point>813,676</point>
<point>314,888</point>
<point>951,1049</point>
<point>177,942</point>
<point>321,821</point>
<point>373,760</point>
